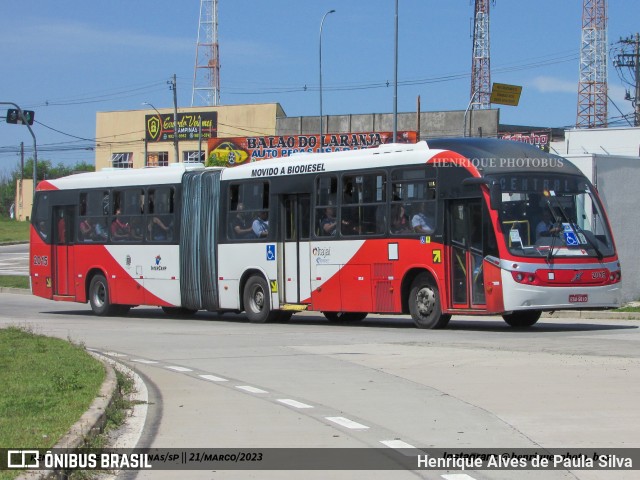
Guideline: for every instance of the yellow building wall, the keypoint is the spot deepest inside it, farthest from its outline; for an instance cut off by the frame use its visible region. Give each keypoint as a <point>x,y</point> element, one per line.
<point>124,131</point>
<point>24,199</point>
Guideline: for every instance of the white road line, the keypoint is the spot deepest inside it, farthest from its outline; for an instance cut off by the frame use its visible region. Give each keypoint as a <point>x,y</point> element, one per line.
<point>457,476</point>
<point>179,369</point>
<point>396,444</point>
<point>115,354</point>
<point>345,422</point>
<point>294,403</point>
<point>213,378</point>
<point>142,360</point>
<point>250,389</point>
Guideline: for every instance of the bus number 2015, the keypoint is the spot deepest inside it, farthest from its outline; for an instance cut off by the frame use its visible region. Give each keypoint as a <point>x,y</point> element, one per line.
<point>41,260</point>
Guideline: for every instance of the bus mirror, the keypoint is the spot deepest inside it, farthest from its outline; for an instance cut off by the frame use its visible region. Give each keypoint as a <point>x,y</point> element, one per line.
<point>495,196</point>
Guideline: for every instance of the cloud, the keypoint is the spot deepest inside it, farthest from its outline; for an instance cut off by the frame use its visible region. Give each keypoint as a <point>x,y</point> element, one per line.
<point>547,84</point>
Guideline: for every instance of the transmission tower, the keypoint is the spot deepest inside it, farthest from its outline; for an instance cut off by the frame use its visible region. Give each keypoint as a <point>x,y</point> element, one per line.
<point>627,63</point>
<point>206,74</point>
<point>592,89</point>
<point>480,61</point>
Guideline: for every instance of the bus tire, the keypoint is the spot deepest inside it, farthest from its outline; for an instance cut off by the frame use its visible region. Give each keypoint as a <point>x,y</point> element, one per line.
<point>424,304</point>
<point>522,319</point>
<point>257,300</point>
<point>345,316</point>
<point>99,297</point>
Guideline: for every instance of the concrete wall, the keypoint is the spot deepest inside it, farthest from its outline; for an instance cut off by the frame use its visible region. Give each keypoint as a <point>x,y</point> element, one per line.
<point>617,179</point>
<point>430,124</point>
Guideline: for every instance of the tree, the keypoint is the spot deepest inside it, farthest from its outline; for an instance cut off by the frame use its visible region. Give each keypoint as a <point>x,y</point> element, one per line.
<point>46,170</point>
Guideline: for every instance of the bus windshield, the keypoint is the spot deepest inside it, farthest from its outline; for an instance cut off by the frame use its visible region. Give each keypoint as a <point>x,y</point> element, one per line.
<point>555,223</point>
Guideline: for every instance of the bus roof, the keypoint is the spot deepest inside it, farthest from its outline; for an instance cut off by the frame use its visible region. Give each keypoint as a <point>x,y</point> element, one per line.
<point>301,163</point>
<point>122,177</point>
<point>492,156</point>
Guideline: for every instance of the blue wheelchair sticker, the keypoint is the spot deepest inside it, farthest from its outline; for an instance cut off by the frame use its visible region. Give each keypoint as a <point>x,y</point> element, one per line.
<point>271,253</point>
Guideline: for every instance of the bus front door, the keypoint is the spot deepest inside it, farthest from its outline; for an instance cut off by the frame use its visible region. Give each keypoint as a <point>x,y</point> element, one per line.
<point>295,268</point>
<point>465,262</point>
<point>63,256</point>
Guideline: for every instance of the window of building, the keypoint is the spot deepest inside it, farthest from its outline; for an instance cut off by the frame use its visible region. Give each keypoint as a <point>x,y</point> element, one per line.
<point>122,160</point>
<point>157,159</point>
<point>193,156</point>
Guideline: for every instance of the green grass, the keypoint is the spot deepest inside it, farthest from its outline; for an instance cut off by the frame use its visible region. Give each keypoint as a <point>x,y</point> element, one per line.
<point>13,231</point>
<point>628,309</point>
<point>46,384</point>
<point>14,281</point>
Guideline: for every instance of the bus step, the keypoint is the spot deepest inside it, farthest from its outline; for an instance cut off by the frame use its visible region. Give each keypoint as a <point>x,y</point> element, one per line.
<point>294,307</point>
<point>64,298</point>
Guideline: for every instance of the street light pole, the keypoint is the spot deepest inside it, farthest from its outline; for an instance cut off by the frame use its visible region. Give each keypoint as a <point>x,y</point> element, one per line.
<point>320,57</point>
<point>173,86</point>
<point>395,80</point>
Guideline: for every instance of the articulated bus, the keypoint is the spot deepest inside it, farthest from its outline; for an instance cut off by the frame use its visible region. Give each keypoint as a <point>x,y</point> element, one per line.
<point>458,226</point>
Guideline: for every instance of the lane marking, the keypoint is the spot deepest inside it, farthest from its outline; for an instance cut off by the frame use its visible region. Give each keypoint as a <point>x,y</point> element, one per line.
<point>142,360</point>
<point>213,378</point>
<point>115,354</point>
<point>250,389</point>
<point>179,369</point>
<point>345,422</point>
<point>294,403</point>
<point>396,444</point>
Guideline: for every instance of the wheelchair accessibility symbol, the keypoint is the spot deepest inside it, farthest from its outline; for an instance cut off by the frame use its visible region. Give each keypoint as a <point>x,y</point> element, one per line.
<point>271,253</point>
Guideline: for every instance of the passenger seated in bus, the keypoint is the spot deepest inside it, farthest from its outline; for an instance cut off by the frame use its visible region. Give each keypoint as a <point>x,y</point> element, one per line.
<point>400,220</point>
<point>158,230</point>
<point>120,230</point>
<point>328,222</point>
<point>86,230</point>
<point>260,225</point>
<point>420,222</point>
<point>240,225</point>
<point>101,230</point>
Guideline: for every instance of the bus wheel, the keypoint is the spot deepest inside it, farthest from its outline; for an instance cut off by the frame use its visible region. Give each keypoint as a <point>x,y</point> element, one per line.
<point>99,297</point>
<point>525,318</point>
<point>345,316</point>
<point>424,304</point>
<point>257,300</point>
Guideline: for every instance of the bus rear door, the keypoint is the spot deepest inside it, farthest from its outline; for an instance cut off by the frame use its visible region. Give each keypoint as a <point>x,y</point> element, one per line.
<point>295,269</point>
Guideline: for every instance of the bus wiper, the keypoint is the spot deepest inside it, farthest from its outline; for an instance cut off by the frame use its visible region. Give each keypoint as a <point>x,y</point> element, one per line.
<point>575,227</point>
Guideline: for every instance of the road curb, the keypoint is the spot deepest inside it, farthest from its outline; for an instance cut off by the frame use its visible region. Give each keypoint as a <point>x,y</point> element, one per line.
<point>592,315</point>
<point>90,424</point>
<point>17,291</point>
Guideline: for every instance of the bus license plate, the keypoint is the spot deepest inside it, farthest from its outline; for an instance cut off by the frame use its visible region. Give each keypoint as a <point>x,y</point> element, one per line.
<point>579,298</point>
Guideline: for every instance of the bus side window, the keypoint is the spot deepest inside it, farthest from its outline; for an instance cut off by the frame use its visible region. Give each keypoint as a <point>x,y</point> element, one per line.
<point>160,215</point>
<point>325,199</point>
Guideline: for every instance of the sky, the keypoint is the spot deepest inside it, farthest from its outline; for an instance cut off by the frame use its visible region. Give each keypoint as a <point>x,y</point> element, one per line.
<point>68,60</point>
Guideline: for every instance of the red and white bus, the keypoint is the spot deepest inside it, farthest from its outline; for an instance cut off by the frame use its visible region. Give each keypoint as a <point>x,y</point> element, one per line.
<point>459,226</point>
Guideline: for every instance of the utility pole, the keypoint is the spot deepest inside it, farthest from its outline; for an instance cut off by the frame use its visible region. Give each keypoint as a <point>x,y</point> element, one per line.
<point>631,61</point>
<point>173,86</point>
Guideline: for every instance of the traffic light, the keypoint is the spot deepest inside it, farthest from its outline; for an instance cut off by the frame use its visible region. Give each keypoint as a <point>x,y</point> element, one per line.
<point>13,116</point>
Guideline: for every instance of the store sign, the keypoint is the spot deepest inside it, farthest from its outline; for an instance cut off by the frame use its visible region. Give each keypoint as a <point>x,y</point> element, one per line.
<point>238,150</point>
<point>541,139</point>
<point>191,126</point>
